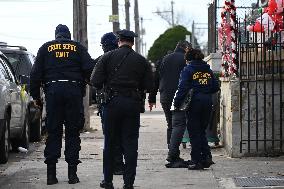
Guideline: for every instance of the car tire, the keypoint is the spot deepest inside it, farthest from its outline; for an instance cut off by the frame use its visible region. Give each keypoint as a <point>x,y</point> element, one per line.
<point>25,137</point>
<point>36,131</point>
<point>5,141</point>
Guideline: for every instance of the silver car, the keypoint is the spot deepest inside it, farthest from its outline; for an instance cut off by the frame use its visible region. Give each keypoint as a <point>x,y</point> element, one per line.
<point>14,125</point>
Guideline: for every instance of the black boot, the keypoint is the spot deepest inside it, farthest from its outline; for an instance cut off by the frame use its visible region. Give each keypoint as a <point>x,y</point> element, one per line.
<point>106,185</point>
<point>51,174</point>
<point>72,174</point>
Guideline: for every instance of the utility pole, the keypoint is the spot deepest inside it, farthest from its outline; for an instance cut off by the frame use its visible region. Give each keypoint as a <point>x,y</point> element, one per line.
<point>142,34</point>
<point>172,11</point>
<point>115,13</point>
<point>127,19</point>
<point>80,35</point>
<point>137,28</point>
<point>193,35</point>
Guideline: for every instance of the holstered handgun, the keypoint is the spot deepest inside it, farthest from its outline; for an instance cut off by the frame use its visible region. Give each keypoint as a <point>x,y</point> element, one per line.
<point>103,96</point>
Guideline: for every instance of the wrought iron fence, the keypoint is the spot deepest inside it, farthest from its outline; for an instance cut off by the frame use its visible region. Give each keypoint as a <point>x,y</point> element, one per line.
<point>261,99</point>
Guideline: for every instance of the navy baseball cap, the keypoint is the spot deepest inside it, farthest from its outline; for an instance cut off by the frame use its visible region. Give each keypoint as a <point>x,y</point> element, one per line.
<point>126,35</point>
<point>109,39</point>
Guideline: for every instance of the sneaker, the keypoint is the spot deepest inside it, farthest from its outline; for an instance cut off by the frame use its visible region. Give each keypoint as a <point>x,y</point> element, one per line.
<point>178,163</point>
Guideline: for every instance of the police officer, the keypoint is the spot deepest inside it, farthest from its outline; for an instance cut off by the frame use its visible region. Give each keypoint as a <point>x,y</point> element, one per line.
<point>124,73</point>
<point>109,42</point>
<point>198,76</point>
<point>61,67</point>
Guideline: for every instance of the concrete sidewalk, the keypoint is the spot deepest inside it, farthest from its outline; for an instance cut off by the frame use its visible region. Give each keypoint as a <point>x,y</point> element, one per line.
<point>28,171</point>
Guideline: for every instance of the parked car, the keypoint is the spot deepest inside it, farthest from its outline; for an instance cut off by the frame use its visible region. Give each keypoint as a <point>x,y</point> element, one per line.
<point>22,61</point>
<point>14,114</point>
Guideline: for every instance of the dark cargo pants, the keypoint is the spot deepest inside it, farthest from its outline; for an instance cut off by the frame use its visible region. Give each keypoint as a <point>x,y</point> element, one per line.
<point>198,117</point>
<point>63,106</point>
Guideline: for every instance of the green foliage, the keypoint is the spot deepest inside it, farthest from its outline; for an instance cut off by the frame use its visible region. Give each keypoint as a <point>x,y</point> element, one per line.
<point>167,41</point>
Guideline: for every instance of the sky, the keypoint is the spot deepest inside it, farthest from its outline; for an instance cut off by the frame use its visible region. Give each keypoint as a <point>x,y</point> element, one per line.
<point>31,23</point>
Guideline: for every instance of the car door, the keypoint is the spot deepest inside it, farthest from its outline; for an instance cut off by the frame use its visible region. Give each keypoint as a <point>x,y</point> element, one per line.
<point>17,100</point>
<point>4,95</point>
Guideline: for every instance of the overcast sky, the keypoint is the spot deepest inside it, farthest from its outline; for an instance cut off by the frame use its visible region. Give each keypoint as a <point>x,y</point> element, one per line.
<point>32,22</point>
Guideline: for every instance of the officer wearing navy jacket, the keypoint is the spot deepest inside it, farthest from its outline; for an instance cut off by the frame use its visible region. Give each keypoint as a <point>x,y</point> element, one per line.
<point>198,76</point>
<point>61,67</point>
<point>121,113</point>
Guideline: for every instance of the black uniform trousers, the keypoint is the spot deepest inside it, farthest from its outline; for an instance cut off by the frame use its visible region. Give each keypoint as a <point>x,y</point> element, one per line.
<point>121,118</point>
<point>168,114</point>
<point>118,154</point>
<point>63,106</point>
<point>198,117</point>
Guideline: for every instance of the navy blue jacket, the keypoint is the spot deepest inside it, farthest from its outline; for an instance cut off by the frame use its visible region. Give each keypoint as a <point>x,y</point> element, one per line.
<point>60,59</point>
<point>197,76</point>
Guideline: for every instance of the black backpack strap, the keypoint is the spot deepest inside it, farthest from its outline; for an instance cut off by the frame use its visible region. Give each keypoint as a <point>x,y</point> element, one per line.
<point>116,68</point>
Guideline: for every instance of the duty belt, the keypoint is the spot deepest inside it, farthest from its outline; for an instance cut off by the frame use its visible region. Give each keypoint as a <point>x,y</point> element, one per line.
<point>62,80</point>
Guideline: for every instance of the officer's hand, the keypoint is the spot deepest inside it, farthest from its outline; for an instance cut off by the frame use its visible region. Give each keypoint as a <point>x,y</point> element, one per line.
<point>151,106</point>
<point>37,103</point>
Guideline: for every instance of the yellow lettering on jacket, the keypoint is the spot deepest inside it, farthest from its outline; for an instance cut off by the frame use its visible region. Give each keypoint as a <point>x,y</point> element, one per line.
<point>70,47</point>
<point>202,77</point>
<point>53,47</point>
<point>62,54</point>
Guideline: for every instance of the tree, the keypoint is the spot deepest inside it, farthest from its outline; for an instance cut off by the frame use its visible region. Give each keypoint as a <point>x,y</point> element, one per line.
<point>167,41</point>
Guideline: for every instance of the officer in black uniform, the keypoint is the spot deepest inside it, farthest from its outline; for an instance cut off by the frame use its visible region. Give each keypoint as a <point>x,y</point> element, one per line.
<point>124,73</point>
<point>109,42</point>
<point>198,76</point>
<point>61,68</point>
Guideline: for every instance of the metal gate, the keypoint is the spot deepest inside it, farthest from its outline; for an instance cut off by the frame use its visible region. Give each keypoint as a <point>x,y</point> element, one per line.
<point>261,102</point>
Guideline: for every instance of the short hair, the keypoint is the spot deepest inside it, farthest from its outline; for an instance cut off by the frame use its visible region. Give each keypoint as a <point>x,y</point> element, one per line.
<point>193,54</point>
<point>184,44</point>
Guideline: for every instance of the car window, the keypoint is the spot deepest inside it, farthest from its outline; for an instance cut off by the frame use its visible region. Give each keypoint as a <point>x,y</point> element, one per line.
<point>22,64</point>
<point>9,71</point>
<point>3,71</point>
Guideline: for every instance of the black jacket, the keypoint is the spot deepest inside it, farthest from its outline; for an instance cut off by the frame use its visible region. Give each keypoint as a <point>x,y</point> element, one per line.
<point>170,69</point>
<point>60,59</point>
<point>134,72</point>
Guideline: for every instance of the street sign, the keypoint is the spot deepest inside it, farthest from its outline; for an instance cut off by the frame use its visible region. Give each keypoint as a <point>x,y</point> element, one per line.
<point>188,38</point>
<point>113,18</point>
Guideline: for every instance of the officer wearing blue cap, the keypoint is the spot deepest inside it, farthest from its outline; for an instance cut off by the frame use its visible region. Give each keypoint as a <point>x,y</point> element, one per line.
<point>123,73</point>
<point>61,67</point>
